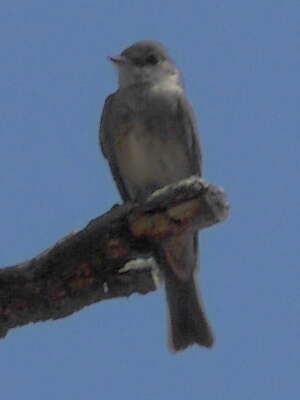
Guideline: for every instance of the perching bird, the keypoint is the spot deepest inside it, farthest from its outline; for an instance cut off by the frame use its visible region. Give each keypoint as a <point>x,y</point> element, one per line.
<point>149,137</point>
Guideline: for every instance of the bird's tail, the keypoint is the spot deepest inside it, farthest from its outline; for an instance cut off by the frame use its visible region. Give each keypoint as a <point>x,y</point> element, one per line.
<point>187,320</point>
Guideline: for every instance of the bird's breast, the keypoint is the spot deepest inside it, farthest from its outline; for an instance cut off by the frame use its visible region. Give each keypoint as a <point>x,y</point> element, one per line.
<point>149,157</point>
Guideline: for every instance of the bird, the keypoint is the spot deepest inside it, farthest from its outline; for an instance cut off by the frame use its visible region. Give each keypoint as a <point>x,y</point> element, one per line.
<point>149,137</point>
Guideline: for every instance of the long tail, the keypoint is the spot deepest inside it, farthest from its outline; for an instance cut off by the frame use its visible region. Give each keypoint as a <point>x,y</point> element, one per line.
<point>187,320</point>
<point>188,323</point>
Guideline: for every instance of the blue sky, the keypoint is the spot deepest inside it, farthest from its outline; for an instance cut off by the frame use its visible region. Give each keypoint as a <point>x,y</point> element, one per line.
<point>240,62</point>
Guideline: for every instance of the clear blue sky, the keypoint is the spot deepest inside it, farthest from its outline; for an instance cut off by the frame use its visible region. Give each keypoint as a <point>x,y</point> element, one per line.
<point>241,63</point>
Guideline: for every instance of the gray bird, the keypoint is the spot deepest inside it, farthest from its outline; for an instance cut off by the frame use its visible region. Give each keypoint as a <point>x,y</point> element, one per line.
<point>149,137</point>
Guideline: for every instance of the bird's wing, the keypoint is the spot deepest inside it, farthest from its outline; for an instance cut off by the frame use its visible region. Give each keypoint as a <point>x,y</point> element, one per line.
<point>187,125</point>
<point>107,146</point>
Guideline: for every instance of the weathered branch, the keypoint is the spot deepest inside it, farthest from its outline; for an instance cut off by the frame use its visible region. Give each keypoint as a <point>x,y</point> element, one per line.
<point>96,263</point>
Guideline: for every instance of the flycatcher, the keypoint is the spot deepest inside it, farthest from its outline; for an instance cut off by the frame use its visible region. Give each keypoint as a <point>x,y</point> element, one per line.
<point>149,137</point>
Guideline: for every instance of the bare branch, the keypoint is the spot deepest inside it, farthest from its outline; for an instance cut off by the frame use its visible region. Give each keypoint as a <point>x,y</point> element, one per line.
<point>96,263</point>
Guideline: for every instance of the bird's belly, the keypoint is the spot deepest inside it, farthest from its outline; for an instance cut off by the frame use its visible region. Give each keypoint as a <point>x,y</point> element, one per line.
<point>148,161</point>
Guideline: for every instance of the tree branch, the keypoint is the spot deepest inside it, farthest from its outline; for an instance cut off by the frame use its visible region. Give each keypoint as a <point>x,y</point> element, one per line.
<point>111,257</point>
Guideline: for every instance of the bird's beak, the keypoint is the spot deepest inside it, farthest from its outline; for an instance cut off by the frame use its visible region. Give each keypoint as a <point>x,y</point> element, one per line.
<point>117,59</point>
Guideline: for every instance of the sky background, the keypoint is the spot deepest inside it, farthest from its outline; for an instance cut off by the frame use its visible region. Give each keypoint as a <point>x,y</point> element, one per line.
<point>240,62</point>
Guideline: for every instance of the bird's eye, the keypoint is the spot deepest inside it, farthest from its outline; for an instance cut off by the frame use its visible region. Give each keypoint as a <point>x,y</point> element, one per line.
<point>151,59</point>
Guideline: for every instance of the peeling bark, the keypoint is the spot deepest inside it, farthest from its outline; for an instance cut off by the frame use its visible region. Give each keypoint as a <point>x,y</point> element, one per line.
<point>96,263</point>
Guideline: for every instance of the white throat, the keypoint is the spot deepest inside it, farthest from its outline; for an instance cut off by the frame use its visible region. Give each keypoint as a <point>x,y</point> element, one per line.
<point>169,83</point>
